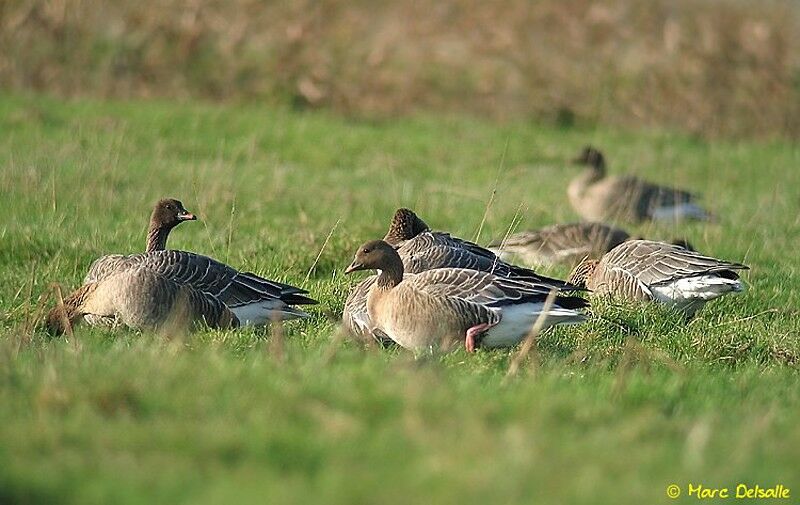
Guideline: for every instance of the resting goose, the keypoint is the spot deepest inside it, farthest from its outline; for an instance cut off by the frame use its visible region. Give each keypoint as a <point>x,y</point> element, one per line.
<point>567,244</point>
<point>560,243</point>
<point>599,197</point>
<point>643,270</point>
<point>146,283</point>
<point>120,288</point>
<point>140,298</point>
<point>421,249</point>
<point>446,306</point>
<point>167,214</point>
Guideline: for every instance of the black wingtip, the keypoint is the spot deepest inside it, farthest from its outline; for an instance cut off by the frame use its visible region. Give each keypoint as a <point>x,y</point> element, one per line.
<point>297,299</point>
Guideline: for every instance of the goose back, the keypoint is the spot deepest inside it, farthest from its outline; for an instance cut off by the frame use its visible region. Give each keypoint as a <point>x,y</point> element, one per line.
<point>561,243</point>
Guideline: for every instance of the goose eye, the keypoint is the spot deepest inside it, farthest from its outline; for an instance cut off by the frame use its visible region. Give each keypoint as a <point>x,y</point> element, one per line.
<point>365,251</point>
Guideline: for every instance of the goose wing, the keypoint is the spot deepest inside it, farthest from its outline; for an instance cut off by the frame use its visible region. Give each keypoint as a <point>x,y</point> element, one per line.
<point>107,265</point>
<point>655,263</point>
<point>432,250</point>
<point>204,274</point>
<point>478,287</point>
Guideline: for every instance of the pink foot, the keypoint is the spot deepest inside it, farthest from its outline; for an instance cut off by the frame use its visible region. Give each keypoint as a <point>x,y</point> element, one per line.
<point>474,332</point>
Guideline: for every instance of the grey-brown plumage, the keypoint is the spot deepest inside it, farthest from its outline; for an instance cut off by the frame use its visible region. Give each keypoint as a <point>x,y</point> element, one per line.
<point>644,270</point>
<point>443,307</point>
<point>560,243</point>
<point>597,196</point>
<point>141,290</point>
<point>355,317</point>
<point>167,214</point>
<point>421,249</point>
<point>143,299</point>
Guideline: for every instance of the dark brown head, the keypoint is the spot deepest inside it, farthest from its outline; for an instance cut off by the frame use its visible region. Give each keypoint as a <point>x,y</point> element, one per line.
<point>64,316</point>
<point>591,157</point>
<point>376,255</point>
<point>169,213</point>
<point>580,274</point>
<point>405,225</point>
<point>58,322</point>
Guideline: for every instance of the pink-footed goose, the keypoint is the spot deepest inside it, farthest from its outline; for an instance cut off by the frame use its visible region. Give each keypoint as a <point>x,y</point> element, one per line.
<point>597,196</point>
<point>167,214</point>
<point>421,249</point>
<point>644,270</point>
<point>560,243</point>
<point>444,307</point>
<point>565,244</point>
<point>145,290</point>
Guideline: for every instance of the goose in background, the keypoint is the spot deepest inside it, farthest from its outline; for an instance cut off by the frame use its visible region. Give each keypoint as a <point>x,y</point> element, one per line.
<point>444,307</point>
<point>596,196</point>
<point>560,243</point>
<point>644,270</point>
<point>564,244</point>
<point>421,249</point>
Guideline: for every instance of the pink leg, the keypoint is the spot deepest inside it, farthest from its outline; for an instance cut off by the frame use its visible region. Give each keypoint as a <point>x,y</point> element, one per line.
<point>473,332</point>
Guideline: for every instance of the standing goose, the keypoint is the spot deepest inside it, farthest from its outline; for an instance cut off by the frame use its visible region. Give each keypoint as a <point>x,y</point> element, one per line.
<point>447,306</point>
<point>420,249</point>
<point>561,243</point>
<point>599,197</point>
<point>643,270</point>
<point>167,214</point>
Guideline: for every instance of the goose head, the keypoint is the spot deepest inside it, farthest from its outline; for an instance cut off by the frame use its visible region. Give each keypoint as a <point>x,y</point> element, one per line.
<point>581,273</point>
<point>405,225</point>
<point>377,255</point>
<point>169,213</point>
<point>592,158</point>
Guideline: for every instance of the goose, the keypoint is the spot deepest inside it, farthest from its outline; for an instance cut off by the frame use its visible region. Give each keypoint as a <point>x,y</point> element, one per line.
<point>252,300</point>
<point>142,299</point>
<point>599,197</point>
<point>645,270</point>
<point>167,214</point>
<point>560,243</point>
<point>567,244</point>
<point>142,290</point>
<point>446,306</point>
<point>422,249</point>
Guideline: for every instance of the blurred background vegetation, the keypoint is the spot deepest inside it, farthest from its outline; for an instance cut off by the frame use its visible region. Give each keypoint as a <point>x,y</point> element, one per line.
<point>712,68</point>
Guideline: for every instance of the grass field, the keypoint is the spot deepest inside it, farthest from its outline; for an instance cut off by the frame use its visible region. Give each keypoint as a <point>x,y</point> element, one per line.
<point>609,412</point>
